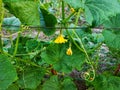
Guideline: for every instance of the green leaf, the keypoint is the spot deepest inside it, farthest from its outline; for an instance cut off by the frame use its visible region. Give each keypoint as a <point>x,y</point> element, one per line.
<point>52,84</point>
<point>68,84</point>
<point>26,11</point>
<point>103,82</point>
<point>55,84</point>
<point>31,45</point>
<point>11,21</point>
<point>31,77</point>
<point>7,72</point>
<point>113,22</point>
<point>112,40</point>
<point>112,37</point>
<point>83,31</point>
<point>21,46</point>
<point>47,20</point>
<point>96,10</point>
<point>75,3</point>
<point>98,37</point>
<point>56,55</point>
<point>13,87</point>
<point>20,50</point>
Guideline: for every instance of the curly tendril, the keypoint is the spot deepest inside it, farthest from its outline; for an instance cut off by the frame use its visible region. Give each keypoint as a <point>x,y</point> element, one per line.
<point>88,75</point>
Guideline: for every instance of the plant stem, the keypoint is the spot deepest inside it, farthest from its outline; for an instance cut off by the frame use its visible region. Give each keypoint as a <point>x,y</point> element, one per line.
<point>37,36</point>
<point>1,19</point>
<point>74,41</point>
<point>95,48</point>
<point>16,45</point>
<point>66,19</point>
<point>82,45</point>
<point>17,41</point>
<point>11,39</point>
<point>76,22</point>
<point>63,13</point>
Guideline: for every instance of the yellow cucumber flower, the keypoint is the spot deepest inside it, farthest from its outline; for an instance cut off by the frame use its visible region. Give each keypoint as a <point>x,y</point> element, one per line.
<point>60,39</point>
<point>69,51</point>
<point>72,10</point>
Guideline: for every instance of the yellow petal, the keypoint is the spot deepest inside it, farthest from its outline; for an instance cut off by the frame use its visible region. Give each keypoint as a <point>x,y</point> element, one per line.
<point>60,39</point>
<point>69,51</point>
<point>72,10</point>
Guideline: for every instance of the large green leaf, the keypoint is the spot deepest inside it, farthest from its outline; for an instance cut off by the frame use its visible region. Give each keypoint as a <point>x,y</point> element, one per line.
<point>68,84</point>
<point>32,45</point>
<point>75,3</point>
<point>55,84</point>
<point>13,87</point>
<point>96,10</point>
<point>113,22</point>
<point>112,40</point>
<point>47,20</point>
<point>103,82</point>
<point>25,10</point>
<point>11,21</point>
<point>31,77</point>
<point>52,84</point>
<point>7,72</point>
<point>112,37</point>
<point>55,54</point>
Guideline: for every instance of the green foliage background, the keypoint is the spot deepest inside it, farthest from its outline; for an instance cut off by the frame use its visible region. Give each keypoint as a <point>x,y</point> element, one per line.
<point>27,63</point>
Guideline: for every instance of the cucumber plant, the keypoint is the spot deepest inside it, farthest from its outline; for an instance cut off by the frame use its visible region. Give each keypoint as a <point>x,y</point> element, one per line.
<point>30,63</point>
